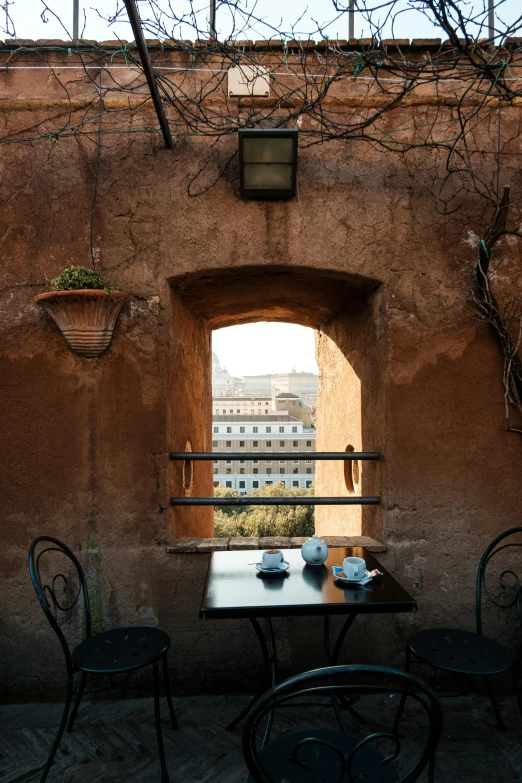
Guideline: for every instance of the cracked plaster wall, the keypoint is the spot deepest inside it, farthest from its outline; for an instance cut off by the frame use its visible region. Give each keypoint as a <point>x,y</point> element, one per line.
<point>84,442</point>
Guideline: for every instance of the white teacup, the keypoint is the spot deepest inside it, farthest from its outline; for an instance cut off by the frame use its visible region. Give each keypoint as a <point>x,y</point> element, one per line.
<point>272,558</point>
<point>354,567</point>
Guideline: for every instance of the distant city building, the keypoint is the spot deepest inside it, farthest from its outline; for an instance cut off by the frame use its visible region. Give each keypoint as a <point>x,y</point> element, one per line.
<point>292,404</point>
<point>222,382</point>
<point>236,405</point>
<point>266,435</point>
<point>242,405</point>
<point>311,401</point>
<point>257,384</point>
<point>293,393</point>
<point>304,384</point>
<point>300,383</point>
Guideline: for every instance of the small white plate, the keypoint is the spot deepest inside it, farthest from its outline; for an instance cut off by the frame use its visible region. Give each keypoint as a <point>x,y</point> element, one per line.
<point>339,574</point>
<point>285,565</point>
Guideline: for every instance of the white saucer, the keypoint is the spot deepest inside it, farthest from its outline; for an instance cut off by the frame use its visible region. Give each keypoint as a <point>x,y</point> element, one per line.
<point>339,574</point>
<point>285,565</point>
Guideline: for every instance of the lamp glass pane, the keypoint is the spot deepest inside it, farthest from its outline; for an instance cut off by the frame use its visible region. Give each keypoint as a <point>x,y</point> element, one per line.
<point>268,176</point>
<point>268,150</point>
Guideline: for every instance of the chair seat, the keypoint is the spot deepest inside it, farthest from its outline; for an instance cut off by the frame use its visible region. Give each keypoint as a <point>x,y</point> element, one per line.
<point>120,650</point>
<point>462,652</point>
<point>321,764</point>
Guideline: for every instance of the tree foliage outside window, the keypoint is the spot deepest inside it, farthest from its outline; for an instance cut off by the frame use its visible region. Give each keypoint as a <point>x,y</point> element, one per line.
<point>264,520</point>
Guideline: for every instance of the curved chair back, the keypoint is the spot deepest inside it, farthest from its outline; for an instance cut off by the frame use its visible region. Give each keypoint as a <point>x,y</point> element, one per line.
<point>508,593</point>
<point>57,593</point>
<point>367,750</point>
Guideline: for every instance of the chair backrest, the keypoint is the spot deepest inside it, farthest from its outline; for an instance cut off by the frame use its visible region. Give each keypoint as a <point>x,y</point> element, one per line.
<point>355,750</point>
<point>508,590</point>
<point>57,592</point>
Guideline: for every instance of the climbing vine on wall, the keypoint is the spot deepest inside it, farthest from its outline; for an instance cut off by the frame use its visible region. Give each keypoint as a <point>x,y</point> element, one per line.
<point>439,102</point>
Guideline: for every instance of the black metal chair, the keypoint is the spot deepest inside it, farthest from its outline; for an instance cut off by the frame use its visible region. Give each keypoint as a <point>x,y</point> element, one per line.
<point>473,654</point>
<point>370,752</point>
<point>116,652</point>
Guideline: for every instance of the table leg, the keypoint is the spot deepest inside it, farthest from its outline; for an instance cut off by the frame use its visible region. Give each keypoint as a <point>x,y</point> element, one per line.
<point>328,662</point>
<point>331,659</point>
<point>340,639</point>
<point>269,672</point>
<point>273,677</point>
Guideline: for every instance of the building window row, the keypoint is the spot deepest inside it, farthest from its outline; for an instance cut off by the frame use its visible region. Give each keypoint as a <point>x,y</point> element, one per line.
<point>268,458</point>
<point>255,484</point>
<point>268,443</point>
<point>267,461</point>
<point>238,410</point>
<point>255,471</point>
<point>255,430</point>
<point>256,461</point>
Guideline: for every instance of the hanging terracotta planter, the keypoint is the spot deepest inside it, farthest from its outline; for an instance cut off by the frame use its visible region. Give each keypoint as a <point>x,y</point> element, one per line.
<point>85,317</point>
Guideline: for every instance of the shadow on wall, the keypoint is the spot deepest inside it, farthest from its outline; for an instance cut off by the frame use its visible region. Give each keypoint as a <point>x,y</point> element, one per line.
<point>345,311</point>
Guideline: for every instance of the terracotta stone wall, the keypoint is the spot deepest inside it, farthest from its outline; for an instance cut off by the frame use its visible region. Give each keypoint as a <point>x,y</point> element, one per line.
<point>189,419</point>
<point>351,350</point>
<point>408,369</point>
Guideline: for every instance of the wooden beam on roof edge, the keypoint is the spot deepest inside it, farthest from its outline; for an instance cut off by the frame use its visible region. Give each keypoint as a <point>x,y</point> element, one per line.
<point>143,52</point>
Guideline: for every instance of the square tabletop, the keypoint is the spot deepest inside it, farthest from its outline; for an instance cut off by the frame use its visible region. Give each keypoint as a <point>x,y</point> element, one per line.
<point>235,589</point>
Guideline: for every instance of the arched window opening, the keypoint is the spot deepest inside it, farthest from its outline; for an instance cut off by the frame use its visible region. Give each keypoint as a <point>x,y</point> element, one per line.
<point>343,311</point>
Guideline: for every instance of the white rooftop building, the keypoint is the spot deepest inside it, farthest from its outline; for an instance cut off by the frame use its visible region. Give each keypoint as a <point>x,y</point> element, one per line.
<point>265,435</point>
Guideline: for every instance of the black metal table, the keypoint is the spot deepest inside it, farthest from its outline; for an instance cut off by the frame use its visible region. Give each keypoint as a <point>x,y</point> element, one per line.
<point>234,589</point>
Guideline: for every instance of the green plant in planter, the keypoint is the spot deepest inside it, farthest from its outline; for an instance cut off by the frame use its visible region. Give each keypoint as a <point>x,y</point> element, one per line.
<point>75,278</point>
<point>84,308</point>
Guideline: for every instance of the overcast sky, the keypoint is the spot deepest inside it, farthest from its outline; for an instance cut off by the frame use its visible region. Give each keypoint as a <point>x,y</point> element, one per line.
<point>264,348</point>
<point>26,15</point>
<point>306,16</point>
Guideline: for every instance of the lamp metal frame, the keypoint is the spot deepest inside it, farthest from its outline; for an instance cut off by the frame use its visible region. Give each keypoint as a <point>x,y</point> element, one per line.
<point>264,133</point>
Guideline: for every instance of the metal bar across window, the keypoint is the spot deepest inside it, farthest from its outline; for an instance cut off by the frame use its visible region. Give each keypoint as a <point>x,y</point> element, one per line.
<point>305,500</point>
<point>264,455</point>
<point>275,501</point>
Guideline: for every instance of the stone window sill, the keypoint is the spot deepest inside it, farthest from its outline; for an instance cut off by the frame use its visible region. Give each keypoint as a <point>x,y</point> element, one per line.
<point>204,545</point>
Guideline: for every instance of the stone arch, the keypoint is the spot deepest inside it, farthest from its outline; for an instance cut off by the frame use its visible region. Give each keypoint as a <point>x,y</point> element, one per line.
<point>345,310</point>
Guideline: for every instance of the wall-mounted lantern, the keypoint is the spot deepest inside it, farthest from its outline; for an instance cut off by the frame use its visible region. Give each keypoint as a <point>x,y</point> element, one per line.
<point>268,162</point>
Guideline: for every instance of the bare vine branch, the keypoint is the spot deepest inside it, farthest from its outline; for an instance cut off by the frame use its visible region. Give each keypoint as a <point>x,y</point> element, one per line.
<point>440,100</point>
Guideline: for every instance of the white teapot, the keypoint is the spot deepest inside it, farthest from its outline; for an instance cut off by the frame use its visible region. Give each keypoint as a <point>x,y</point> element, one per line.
<point>314,551</point>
